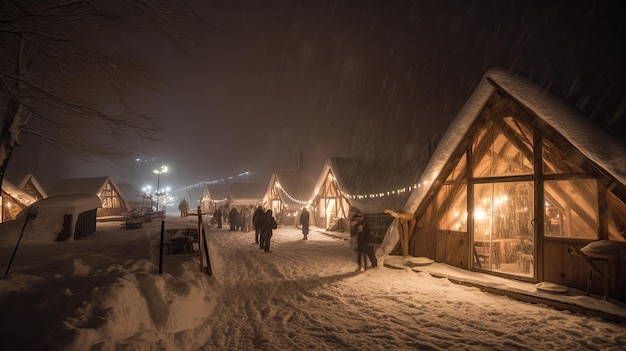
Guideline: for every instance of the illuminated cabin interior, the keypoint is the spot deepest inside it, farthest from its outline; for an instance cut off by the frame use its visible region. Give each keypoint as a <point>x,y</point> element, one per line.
<point>515,194</point>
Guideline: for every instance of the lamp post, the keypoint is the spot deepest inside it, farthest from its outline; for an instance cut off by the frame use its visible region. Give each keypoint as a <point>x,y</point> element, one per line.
<point>158,173</point>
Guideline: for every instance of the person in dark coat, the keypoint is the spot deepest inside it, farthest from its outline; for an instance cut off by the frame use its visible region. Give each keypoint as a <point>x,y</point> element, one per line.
<point>233,217</point>
<point>257,217</point>
<point>268,225</point>
<point>364,248</point>
<point>217,217</point>
<point>304,221</point>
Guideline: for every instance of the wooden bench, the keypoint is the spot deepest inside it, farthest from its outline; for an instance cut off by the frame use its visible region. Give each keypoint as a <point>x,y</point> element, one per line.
<point>176,247</point>
<point>133,223</point>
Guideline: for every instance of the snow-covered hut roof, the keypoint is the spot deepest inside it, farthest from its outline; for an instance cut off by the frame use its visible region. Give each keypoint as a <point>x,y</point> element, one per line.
<point>49,217</point>
<point>373,184</point>
<point>17,193</point>
<point>21,180</point>
<point>295,187</point>
<point>591,141</point>
<point>218,192</point>
<point>93,185</point>
<point>130,194</point>
<point>245,194</point>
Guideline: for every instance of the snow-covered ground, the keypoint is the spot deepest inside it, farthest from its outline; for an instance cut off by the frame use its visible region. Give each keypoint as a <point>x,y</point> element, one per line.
<point>105,293</point>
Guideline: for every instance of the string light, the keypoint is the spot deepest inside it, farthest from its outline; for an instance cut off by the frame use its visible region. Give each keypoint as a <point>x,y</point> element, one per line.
<point>382,194</point>
<point>291,197</point>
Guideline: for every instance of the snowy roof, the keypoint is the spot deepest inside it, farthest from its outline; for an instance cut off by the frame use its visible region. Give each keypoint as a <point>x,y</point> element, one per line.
<point>373,184</point>
<point>591,141</point>
<point>218,192</point>
<point>50,216</point>
<point>245,193</point>
<point>296,187</point>
<point>20,180</point>
<point>131,194</point>
<point>93,185</point>
<point>16,193</point>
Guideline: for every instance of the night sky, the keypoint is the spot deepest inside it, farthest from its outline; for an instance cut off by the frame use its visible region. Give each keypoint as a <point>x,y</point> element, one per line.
<point>358,78</point>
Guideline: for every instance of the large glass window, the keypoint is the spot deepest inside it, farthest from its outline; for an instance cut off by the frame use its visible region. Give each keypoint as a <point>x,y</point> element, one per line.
<point>571,208</point>
<point>452,200</point>
<point>502,149</point>
<point>616,215</point>
<point>503,232</point>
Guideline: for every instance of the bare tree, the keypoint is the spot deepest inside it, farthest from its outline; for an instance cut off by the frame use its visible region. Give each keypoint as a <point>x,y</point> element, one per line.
<point>67,72</point>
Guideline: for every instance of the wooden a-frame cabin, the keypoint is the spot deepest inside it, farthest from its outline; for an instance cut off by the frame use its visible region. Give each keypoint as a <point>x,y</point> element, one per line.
<point>518,185</point>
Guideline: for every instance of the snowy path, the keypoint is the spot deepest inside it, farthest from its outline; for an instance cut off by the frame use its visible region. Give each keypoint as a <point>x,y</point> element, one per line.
<point>305,295</point>
<point>105,293</point>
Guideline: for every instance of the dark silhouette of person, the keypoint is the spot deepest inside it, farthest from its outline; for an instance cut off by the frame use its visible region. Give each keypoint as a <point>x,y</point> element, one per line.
<point>217,217</point>
<point>304,221</point>
<point>233,217</point>
<point>269,224</point>
<point>364,248</point>
<point>257,217</point>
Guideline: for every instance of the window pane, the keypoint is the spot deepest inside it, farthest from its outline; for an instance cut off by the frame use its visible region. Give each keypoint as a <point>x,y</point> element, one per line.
<point>571,208</point>
<point>616,213</point>
<point>452,207</point>
<point>503,232</point>
<point>500,150</point>
<point>561,158</point>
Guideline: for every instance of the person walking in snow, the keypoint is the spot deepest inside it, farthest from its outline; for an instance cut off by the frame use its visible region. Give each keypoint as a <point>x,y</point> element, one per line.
<point>245,219</point>
<point>217,217</point>
<point>364,248</point>
<point>184,208</point>
<point>256,222</point>
<point>304,221</point>
<point>267,227</point>
<point>233,217</point>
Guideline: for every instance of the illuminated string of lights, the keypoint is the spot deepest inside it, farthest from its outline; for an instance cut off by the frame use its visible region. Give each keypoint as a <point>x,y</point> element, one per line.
<point>291,197</point>
<point>385,193</point>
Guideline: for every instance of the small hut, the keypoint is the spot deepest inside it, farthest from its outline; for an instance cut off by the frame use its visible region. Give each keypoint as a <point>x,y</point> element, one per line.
<point>54,218</point>
<point>13,200</point>
<point>29,184</point>
<point>288,192</point>
<point>245,194</point>
<point>519,186</point>
<point>113,202</point>
<point>370,185</point>
<point>213,197</point>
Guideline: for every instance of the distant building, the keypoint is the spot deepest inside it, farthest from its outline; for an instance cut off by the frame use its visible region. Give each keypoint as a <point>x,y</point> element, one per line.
<point>113,201</point>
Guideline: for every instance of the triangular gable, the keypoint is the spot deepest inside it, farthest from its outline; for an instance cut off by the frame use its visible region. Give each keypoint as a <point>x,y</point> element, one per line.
<point>375,184</point>
<point>93,185</point>
<point>295,188</point>
<point>607,153</point>
<point>17,194</point>
<point>245,194</point>
<point>217,193</point>
<point>28,183</point>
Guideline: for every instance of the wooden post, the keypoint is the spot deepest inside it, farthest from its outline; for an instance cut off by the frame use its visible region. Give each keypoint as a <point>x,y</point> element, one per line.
<point>161,248</point>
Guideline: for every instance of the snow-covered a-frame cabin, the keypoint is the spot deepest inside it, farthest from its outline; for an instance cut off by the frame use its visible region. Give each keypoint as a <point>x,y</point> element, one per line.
<point>214,196</point>
<point>18,192</point>
<point>113,202</point>
<point>27,183</point>
<point>245,194</point>
<point>288,192</point>
<point>518,185</point>
<point>13,200</point>
<point>370,185</point>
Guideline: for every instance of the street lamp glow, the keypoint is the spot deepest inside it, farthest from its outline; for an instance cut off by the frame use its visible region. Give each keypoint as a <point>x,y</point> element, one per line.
<point>158,173</point>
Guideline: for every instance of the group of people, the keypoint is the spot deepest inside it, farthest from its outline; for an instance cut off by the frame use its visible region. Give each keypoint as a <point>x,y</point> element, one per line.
<point>183,207</point>
<point>264,225</point>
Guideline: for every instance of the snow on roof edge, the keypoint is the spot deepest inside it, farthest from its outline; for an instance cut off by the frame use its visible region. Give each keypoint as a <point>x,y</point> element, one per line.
<point>590,140</point>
